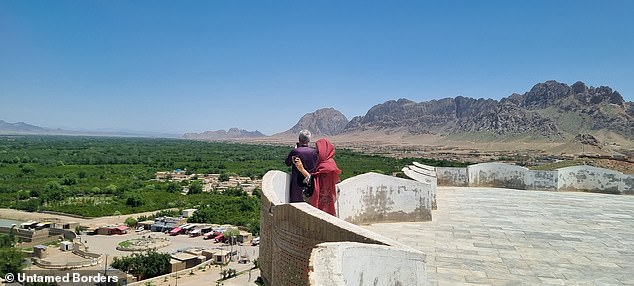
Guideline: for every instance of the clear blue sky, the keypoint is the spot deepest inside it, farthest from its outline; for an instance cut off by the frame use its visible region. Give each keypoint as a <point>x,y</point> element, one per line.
<point>191,66</point>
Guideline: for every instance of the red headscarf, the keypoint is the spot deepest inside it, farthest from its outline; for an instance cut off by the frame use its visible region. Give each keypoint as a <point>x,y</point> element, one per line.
<point>326,177</point>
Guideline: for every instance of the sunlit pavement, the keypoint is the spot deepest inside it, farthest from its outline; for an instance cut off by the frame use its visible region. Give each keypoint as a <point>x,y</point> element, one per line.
<point>487,236</point>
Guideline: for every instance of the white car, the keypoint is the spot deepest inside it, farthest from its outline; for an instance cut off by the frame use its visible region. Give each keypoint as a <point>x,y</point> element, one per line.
<point>255,241</point>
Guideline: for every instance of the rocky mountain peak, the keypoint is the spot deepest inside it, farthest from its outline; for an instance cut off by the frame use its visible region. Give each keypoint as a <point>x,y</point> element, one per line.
<point>553,93</point>
<point>325,121</point>
<point>545,94</point>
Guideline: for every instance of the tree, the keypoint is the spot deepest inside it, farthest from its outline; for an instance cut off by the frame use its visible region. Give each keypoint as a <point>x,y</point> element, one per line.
<point>7,241</point>
<point>144,265</point>
<point>134,200</point>
<point>111,189</point>
<point>228,273</point>
<point>11,260</point>
<point>68,180</point>
<point>27,169</point>
<point>232,234</point>
<point>195,187</point>
<point>131,222</point>
<point>173,187</point>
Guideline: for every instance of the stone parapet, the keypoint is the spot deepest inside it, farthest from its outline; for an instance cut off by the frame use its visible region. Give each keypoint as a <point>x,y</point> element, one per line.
<point>424,174</point>
<point>501,175</point>
<point>452,176</point>
<point>291,231</point>
<point>373,198</point>
<point>350,263</point>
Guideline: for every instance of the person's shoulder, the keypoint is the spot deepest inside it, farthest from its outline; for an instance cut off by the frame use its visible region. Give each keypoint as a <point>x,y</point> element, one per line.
<point>306,149</point>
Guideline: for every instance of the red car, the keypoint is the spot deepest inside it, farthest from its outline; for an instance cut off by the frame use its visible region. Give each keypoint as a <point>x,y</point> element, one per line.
<point>220,238</point>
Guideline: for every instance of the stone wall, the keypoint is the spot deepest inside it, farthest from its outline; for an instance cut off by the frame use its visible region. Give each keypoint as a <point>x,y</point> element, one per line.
<point>577,178</point>
<point>452,176</point>
<point>30,237</point>
<point>541,180</point>
<point>68,234</point>
<point>591,179</point>
<point>496,175</point>
<point>348,263</point>
<point>424,174</point>
<point>373,198</point>
<point>291,231</point>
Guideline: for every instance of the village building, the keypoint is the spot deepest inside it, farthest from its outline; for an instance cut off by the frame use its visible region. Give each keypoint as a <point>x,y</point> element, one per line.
<point>188,212</point>
<point>111,230</point>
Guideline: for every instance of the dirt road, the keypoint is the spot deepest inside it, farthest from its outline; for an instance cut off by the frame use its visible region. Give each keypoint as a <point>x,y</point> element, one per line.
<point>92,222</point>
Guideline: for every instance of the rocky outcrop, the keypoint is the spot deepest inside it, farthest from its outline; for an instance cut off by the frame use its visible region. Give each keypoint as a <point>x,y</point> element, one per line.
<point>325,122</point>
<point>587,139</point>
<point>453,115</point>
<point>550,110</point>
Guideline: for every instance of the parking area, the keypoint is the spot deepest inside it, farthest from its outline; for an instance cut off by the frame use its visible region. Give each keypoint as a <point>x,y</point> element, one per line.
<point>107,244</point>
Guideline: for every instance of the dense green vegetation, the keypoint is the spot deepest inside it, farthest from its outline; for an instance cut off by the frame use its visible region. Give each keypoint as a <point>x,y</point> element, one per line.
<point>93,176</point>
<point>144,265</point>
<point>98,176</point>
<point>232,206</point>
<point>10,257</point>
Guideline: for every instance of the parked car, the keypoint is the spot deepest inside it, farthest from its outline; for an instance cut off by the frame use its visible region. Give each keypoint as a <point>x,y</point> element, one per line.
<point>255,241</point>
<point>220,238</point>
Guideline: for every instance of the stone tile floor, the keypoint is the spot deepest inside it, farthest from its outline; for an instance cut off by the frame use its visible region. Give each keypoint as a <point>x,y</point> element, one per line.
<point>488,236</point>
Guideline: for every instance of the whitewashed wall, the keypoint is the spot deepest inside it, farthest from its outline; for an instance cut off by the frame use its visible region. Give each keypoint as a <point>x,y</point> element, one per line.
<point>501,175</point>
<point>424,174</point>
<point>373,197</point>
<point>347,263</point>
<point>592,179</point>
<point>290,233</point>
<point>496,175</point>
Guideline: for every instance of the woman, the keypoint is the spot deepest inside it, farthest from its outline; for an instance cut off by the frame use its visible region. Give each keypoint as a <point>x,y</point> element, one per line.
<point>325,177</point>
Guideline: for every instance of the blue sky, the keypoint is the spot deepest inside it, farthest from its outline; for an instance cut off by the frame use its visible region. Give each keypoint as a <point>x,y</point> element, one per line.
<point>192,66</point>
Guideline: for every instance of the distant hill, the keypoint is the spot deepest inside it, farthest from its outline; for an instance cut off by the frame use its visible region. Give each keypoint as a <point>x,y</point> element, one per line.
<point>233,133</point>
<point>20,127</point>
<point>324,122</point>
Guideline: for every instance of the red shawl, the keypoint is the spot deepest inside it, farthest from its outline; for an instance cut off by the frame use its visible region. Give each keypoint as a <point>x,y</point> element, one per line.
<point>326,176</point>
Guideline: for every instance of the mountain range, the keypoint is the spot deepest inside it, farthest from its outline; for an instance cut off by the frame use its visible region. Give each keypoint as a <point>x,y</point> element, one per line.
<point>21,128</point>
<point>232,133</point>
<point>549,112</point>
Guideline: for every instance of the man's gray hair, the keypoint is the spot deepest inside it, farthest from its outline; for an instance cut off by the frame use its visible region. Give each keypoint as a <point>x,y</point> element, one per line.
<point>304,136</point>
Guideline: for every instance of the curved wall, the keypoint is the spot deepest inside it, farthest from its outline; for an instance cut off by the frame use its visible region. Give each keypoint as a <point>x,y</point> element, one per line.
<point>291,231</point>
<point>590,179</point>
<point>349,263</point>
<point>576,178</point>
<point>373,197</point>
<point>496,175</point>
<point>424,174</point>
<point>452,176</point>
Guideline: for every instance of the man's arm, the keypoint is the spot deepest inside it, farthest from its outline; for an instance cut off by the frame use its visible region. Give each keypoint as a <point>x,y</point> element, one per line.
<point>289,158</point>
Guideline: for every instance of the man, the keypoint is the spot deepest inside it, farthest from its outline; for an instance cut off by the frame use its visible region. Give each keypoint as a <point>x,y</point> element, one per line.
<point>308,156</point>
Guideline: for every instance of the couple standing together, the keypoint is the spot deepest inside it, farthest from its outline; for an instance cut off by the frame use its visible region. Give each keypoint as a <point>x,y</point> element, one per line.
<point>314,167</point>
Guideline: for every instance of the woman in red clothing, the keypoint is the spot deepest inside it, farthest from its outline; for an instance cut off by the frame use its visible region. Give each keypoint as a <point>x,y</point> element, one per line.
<point>325,177</point>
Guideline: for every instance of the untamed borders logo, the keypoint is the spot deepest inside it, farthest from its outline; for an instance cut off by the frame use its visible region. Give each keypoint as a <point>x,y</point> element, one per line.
<point>70,277</point>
